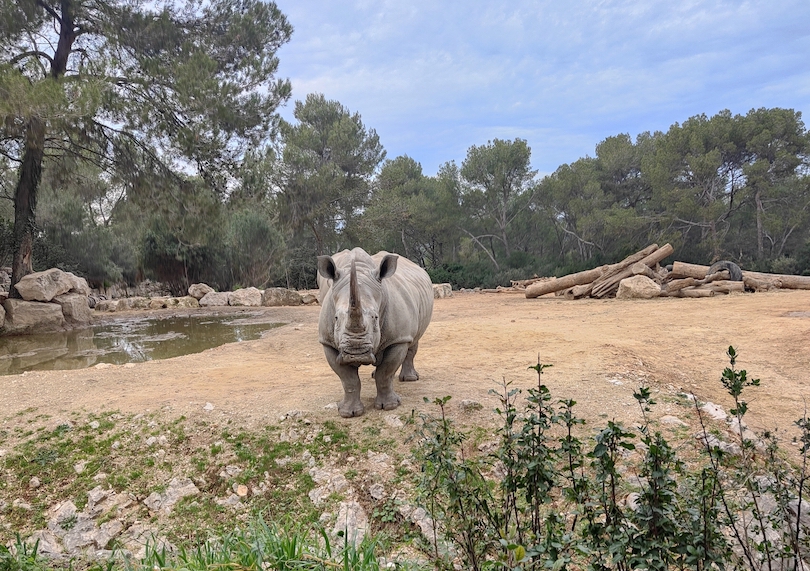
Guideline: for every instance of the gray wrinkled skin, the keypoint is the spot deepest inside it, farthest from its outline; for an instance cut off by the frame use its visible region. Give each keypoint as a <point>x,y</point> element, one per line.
<point>379,325</point>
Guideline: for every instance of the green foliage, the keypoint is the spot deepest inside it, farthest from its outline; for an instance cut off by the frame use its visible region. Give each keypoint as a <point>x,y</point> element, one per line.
<point>551,497</point>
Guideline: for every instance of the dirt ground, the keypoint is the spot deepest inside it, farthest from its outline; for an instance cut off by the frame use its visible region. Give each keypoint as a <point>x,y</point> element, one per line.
<point>601,350</point>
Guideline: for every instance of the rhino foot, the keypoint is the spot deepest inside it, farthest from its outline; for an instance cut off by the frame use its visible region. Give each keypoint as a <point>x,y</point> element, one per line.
<point>391,402</point>
<point>350,409</point>
<point>408,377</point>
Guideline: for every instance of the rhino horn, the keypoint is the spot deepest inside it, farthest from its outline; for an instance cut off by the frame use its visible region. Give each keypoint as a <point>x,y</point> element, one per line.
<point>355,308</point>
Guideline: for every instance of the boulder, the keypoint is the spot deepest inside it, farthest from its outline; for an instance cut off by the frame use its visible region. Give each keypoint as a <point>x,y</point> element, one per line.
<point>638,287</point>
<point>79,285</point>
<point>186,302</point>
<point>28,316</point>
<point>198,291</point>
<point>44,286</point>
<point>441,291</point>
<point>308,299</point>
<point>107,304</point>
<point>74,307</point>
<point>128,303</point>
<point>214,298</point>
<point>2,316</point>
<point>276,296</point>
<point>249,296</point>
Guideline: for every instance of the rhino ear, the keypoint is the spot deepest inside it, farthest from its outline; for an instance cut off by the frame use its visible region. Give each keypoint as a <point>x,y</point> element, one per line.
<point>327,268</point>
<point>387,267</point>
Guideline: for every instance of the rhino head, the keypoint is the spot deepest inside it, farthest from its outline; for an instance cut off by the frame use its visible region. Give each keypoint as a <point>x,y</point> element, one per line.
<point>358,302</point>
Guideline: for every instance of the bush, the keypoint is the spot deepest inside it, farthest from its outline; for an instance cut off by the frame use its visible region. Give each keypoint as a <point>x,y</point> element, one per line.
<point>548,497</point>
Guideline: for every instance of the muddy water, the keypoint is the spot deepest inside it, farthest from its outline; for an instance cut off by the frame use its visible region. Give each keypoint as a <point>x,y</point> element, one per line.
<point>126,341</point>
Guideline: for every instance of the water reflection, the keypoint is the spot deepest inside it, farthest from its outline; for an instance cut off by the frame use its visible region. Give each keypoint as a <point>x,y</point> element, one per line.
<point>126,341</point>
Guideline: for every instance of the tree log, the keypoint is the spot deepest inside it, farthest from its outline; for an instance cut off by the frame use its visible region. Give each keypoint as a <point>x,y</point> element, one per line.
<point>677,285</point>
<point>761,285</point>
<point>610,285</point>
<point>689,292</point>
<point>644,270</point>
<point>542,288</point>
<point>683,269</point>
<point>723,286</point>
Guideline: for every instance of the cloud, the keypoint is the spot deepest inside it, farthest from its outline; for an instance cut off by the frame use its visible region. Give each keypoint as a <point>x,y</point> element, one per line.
<point>434,78</point>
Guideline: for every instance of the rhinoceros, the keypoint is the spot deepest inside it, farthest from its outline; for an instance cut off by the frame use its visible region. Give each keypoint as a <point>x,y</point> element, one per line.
<point>374,310</point>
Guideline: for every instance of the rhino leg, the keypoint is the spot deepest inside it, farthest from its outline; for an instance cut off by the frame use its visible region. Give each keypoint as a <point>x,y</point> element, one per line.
<point>408,373</point>
<point>349,376</point>
<point>393,357</point>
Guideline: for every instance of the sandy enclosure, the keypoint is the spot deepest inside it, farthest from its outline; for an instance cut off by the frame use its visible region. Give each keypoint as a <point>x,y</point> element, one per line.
<point>601,350</point>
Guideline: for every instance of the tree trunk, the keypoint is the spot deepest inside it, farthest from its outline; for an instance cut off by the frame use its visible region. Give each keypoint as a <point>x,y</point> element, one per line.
<point>682,269</point>
<point>25,195</point>
<point>557,284</point>
<point>25,203</point>
<point>760,231</point>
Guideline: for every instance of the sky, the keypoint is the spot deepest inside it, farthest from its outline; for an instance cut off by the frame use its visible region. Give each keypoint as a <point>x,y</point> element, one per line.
<point>435,77</point>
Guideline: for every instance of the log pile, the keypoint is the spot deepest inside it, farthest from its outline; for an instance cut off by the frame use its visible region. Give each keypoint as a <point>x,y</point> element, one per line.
<point>682,280</point>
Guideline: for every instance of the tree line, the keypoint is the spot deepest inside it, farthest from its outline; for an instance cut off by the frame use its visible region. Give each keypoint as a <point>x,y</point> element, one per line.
<point>145,143</point>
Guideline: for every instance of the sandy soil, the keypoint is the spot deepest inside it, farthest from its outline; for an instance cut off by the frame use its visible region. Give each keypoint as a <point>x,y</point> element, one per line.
<point>601,351</point>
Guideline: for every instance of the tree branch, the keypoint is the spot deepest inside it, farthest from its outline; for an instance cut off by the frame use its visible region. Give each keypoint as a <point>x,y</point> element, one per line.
<point>50,11</point>
<point>477,241</point>
<point>35,53</point>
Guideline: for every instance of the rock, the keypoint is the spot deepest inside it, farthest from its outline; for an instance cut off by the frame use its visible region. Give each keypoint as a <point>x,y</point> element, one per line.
<point>47,543</point>
<point>231,501</point>
<point>714,411</point>
<point>74,307</point>
<point>21,505</point>
<point>198,291</point>
<point>25,316</point>
<point>308,299</point>
<point>81,534</point>
<point>34,483</point>
<point>352,521</point>
<point>138,536</point>
<point>669,419</point>
<point>79,285</point>
<point>186,302</point>
<point>214,299</point>
<point>63,518</point>
<point>393,421</point>
<point>441,291</point>
<point>247,297</point>
<point>208,407</point>
<point>638,287</point>
<point>178,489</point>
<point>241,490</point>
<point>79,467</point>
<point>377,491</point>
<point>157,303</point>
<point>128,303</point>
<point>44,286</point>
<point>278,296</point>
<point>107,305</point>
<point>2,316</point>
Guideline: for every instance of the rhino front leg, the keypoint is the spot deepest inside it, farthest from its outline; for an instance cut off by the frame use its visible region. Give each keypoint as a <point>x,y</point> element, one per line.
<point>408,373</point>
<point>393,357</point>
<point>350,378</point>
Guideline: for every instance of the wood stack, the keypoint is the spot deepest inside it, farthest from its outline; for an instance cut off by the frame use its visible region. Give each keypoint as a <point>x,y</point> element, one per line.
<point>684,280</point>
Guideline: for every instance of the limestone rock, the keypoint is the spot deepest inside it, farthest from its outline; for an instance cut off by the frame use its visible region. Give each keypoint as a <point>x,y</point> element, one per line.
<point>186,302</point>
<point>25,316</point>
<point>198,291</point>
<point>308,299</point>
<point>352,521</point>
<point>214,299</point>
<point>248,297</point>
<point>277,296</point>
<point>107,305</point>
<point>441,291</point>
<point>74,307</point>
<point>44,286</point>
<point>638,287</point>
<point>128,303</point>
<point>78,285</point>
<point>177,490</point>
<point>47,543</point>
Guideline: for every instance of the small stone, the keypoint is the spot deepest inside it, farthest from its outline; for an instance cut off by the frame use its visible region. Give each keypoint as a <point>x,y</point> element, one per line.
<point>208,407</point>
<point>231,501</point>
<point>80,466</point>
<point>34,483</point>
<point>327,439</point>
<point>669,419</point>
<point>162,440</point>
<point>714,411</point>
<point>393,421</point>
<point>116,445</point>
<point>100,477</point>
<point>22,505</point>
<point>151,441</point>
<point>94,424</point>
<point>241,490</point>
<point>377,491</point>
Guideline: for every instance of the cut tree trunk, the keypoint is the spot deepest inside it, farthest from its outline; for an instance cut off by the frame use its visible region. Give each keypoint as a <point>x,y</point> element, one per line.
<point>689,292</point>
<point>542,288</point>
<point>682,269</point>
<point>723,286</point>
<point>610,285</point>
